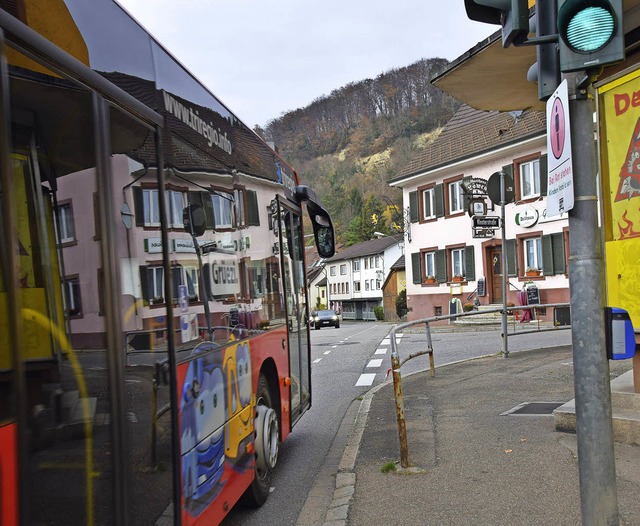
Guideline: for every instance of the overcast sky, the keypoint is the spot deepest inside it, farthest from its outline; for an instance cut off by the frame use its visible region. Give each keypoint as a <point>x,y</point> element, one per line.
<point>264,58</point>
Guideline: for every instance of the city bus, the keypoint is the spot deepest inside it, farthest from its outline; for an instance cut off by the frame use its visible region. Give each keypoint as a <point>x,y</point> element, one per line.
<point>154,336</point>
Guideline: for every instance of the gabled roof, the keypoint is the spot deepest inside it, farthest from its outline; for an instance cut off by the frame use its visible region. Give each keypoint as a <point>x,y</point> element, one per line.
<point>472,132</point>
<point>367,248</point>
<point>398,264</point>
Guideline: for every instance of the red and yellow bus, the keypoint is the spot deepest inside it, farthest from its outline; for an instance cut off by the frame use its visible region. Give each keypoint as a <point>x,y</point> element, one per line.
<point>154,344</point>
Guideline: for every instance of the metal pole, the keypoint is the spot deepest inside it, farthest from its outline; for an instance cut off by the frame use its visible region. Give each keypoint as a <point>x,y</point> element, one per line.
<point>505,343</point>
<point>205,283</point>
<point>596,461</point>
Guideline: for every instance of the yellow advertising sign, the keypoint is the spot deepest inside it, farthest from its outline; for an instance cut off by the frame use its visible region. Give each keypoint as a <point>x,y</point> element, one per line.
<point>619,117</point>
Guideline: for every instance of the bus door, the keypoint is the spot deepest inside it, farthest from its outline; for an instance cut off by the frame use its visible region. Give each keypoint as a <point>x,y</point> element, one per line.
<point>295,293</point>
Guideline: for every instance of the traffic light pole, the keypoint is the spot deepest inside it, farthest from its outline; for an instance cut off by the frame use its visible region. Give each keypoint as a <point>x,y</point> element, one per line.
<point>596,461</point>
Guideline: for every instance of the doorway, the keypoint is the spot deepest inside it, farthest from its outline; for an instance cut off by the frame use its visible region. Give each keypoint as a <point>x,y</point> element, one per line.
<point>495,273</point>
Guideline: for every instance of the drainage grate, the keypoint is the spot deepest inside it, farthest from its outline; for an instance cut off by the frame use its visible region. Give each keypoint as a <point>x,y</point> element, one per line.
<point>533,408</point>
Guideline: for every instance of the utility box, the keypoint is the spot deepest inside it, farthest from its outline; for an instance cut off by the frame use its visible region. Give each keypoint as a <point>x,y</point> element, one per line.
<point>562,316</point>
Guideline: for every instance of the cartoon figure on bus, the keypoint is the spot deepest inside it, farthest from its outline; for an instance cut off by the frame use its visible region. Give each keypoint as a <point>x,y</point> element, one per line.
<point>240,406</point>
<point>216,406</point>
<point>202,408</point>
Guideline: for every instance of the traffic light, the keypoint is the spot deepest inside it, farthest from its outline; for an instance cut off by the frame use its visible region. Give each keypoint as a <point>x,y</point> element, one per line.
<point>546,71</point>
<point>512,15</point>
<point>591,33</point>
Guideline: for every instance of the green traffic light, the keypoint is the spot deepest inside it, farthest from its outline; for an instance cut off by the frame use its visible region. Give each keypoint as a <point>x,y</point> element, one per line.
<point>590,29</point>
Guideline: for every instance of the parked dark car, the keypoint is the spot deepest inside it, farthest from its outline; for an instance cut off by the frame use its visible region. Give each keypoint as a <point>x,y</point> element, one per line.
<point>326,318</point>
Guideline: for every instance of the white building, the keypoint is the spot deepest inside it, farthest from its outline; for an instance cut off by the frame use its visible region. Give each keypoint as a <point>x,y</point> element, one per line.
<point>355,276</point>
<point>444,260</point>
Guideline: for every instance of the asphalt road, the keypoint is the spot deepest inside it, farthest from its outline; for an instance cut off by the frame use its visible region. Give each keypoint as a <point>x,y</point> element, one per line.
<point>346,363</point>
<point>339,357</point>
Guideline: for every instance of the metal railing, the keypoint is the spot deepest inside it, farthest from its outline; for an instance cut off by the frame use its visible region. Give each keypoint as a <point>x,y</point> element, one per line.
<point>396,363</point>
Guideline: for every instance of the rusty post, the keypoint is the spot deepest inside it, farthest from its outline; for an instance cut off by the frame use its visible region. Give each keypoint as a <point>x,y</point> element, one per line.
<point>397,390</point>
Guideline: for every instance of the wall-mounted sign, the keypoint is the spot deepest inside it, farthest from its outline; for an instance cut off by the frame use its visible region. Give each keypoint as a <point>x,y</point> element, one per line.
<point>486,222</point>
<point>477,207</point>
<point>153,245</point>
<point>222,274</point>
<point>183,245</point>
<point>483,232</point>
<point>474,185</point>
<point>527,217</point>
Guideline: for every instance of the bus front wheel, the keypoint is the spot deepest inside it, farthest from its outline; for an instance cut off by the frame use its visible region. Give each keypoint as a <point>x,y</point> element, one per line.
<point>267,438</point>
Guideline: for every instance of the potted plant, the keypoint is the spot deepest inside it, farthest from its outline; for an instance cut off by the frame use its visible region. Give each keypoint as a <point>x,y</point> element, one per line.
<point>431,279</point>
<point>458,278</point>
<point>532,272</point>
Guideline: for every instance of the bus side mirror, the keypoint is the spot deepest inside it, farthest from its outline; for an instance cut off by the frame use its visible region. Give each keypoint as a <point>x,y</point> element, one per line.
<point>194,219</point>
<point>323,232</point>
<point>321,221</point>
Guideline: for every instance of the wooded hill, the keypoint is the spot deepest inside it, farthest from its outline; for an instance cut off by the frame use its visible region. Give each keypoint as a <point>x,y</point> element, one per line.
<point>347,145</point>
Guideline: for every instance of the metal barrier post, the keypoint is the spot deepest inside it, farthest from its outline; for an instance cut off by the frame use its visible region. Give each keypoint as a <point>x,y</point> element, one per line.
<point>154,418</point>
<point>397,389</point>
<point>432,369</point>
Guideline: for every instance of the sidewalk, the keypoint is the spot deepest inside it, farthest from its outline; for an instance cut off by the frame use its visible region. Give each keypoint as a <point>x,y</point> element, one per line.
<point>479,465</point>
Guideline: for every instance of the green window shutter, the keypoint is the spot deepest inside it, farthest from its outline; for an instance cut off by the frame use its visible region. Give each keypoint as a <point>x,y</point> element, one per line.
<point>512,260</point>
<point>207,204</point>
<point>547,256</point>
<point>441,266</point>
<point>467,196</point>
<point>253,214</point>
<point>138,205</point>
<point>544,174</point>
<point>559,260</point>
<point>415,267</point>
<point>413,207</point>
<point>508,170</point>
<point>144,282</point>
<point>439,198</point>
<point>469,263</point>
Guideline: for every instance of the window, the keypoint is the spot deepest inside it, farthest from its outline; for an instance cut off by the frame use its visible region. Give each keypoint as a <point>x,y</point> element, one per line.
<point>366,284</point>
<point>456,197</point>
<point>377,261</point>
<point>378,284</point>
<point>356,286</point>
<point>155,285</point>
<point>66,232</point>
<point>457,262</point>
<point>366,263</point>
<point>430,264</point>
<point>355,265</point>
<point>332,271</point>
<point>151,206</point>
<point>530,178</point>
<point>347,287</point>
<point>185,276</point>
<point>343,269</point>
<point>533,253</point>
<point>222,209</point>
<point>72,305</point>
<point>428,204</point>
<point>176,201</point>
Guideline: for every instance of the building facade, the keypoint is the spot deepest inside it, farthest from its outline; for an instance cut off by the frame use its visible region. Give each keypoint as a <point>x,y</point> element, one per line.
<point>445,190</point>
<point>355,276</point>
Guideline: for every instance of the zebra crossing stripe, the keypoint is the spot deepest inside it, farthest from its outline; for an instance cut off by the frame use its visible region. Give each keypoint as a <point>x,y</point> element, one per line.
<point>366,379</point>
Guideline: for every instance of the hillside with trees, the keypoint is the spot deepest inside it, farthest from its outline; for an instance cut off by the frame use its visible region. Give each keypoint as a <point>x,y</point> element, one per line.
<point>348,144</point>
